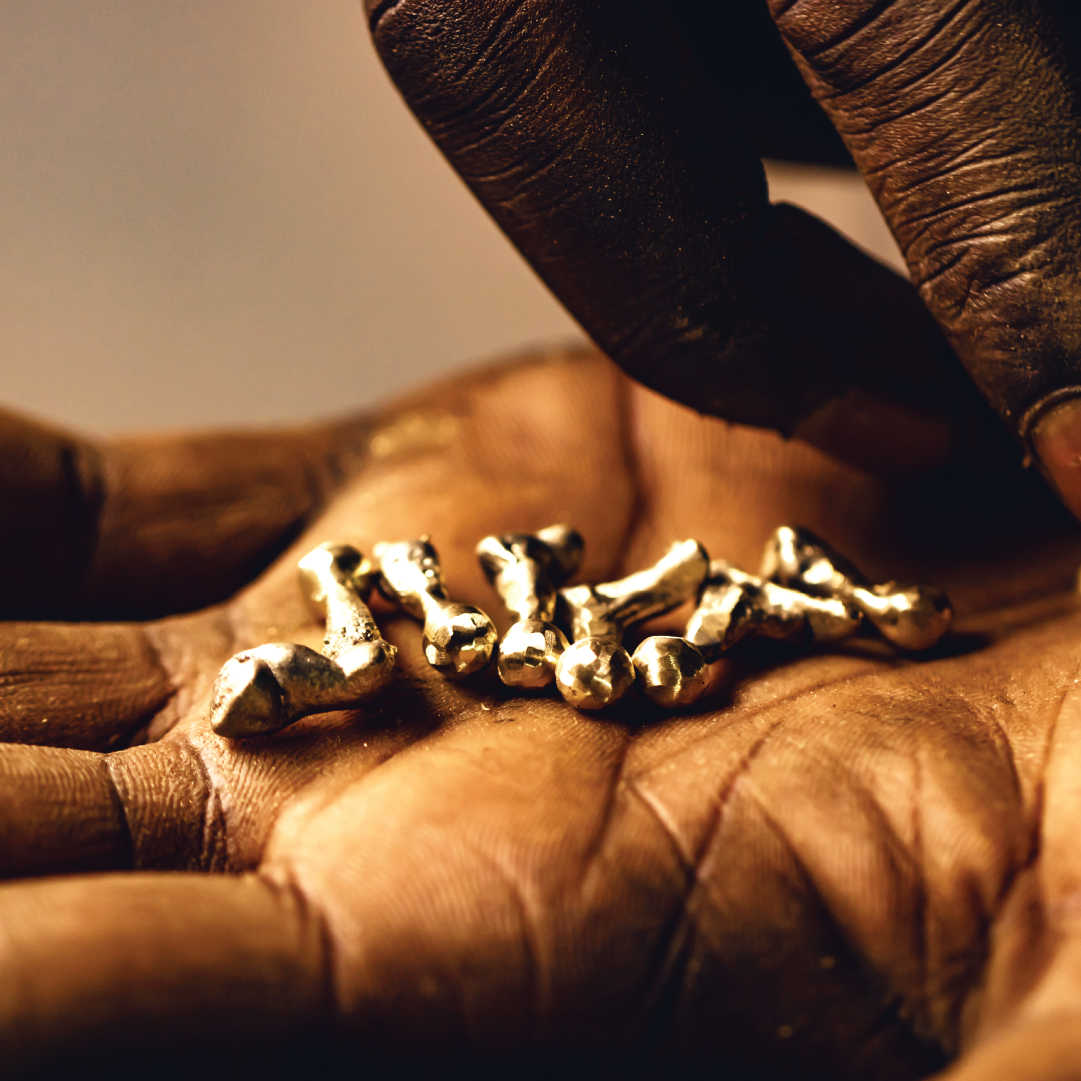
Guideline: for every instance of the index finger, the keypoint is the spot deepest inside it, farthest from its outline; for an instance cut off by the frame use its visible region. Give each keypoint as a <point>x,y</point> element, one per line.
<point>624,181</point>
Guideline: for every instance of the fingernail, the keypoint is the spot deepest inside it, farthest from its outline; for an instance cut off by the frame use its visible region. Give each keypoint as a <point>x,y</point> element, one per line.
<point>1056,441</point>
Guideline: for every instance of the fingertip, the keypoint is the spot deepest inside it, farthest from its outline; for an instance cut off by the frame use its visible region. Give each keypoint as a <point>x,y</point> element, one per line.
<point>375,9</point>
<point>1056,444</point>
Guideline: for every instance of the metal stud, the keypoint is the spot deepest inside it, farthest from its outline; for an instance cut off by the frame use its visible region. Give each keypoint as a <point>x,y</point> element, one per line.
<point>596,671</point>
<point>673,671</point>
<point>733,605</point>
<point>458,638</point>
<point>262,690</point>
<point>912,617</point>
<point>525,569</point>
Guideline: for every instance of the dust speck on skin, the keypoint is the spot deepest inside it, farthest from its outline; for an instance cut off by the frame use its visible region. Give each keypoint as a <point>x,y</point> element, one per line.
<point>413,432</point>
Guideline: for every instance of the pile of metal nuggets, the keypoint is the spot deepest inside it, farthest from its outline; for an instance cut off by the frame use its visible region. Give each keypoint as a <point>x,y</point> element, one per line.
<point>804,593</point>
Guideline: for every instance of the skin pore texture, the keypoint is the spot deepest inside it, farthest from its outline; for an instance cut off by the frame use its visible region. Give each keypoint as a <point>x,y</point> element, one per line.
<point>842,864</point>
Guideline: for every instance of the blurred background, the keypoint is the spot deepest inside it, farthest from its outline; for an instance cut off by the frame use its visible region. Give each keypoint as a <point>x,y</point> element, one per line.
<point>220,213</point>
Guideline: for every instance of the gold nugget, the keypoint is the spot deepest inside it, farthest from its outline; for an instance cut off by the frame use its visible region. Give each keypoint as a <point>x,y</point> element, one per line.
<point>458,638</point>
<point>524,569</point>
<point>733,605</point>
<point>263,690</point>
<point>673,671</point>
<point>912,617</point>
<point>596,671</point>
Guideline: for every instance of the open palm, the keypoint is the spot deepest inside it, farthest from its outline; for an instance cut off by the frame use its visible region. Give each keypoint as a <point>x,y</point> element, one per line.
<point>846,864</point>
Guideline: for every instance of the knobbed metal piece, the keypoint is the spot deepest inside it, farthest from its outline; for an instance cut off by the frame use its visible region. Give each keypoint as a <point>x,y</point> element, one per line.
<point>912,617</point>
<point>458,638</point>
<point>596,671</point>
<point>525,569</point>
<point>674,672</point>
<point>733,605</point>
<point>263,690</point>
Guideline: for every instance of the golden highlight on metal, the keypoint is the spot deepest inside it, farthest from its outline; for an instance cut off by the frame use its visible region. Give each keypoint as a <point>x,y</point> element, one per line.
<point>458,638</point>
<point>912,617</point>
<point>262,690</point>
<point>525,569</point>
<point>596,671</point>
<point>733,605</point>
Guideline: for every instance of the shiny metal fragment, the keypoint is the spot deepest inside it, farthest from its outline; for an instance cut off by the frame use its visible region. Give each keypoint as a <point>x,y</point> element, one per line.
<point>458,638</point>
<point>912,617</point>
<point>596,671</point>
<point>263,690</point>
<point>674,673</point>
<point>733,605</point>
<point>525,569</point>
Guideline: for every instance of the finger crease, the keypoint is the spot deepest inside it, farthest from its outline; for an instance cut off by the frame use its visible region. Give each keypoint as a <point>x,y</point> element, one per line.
<point>939,62</point>
<point>592,852</point>
<point>123,821</point>
<point>214,852</point>
<point>861,22</point>
<point>668,965</point>
<point>893,1013</point>
<point>313,917</point>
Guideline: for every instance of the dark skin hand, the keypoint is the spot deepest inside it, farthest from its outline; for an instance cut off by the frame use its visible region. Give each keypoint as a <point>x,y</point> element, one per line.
<point>626,175</point>
<point>842,864</point>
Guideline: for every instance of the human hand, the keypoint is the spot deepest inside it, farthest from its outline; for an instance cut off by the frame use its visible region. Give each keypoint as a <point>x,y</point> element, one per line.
<point>626,180</point>
<point>842,864</point>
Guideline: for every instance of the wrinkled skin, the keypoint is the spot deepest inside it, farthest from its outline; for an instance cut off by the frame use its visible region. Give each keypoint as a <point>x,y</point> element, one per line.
<point>841,864</point>
<point>615,142</point>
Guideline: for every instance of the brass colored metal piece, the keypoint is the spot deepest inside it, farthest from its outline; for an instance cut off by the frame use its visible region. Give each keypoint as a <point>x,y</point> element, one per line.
<point>524,569</point>
<point>912,617</point>
<point>336,581</point>
<point>674,672</point>
<point>733,605</point>
<point>263,690</point>
<point>458,638</point>
<point>725,614</point>
<point>529,653</point>
<point>596,671</point>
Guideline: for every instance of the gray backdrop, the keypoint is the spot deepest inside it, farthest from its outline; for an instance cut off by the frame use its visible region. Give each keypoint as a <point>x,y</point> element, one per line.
<point>219,212</point>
